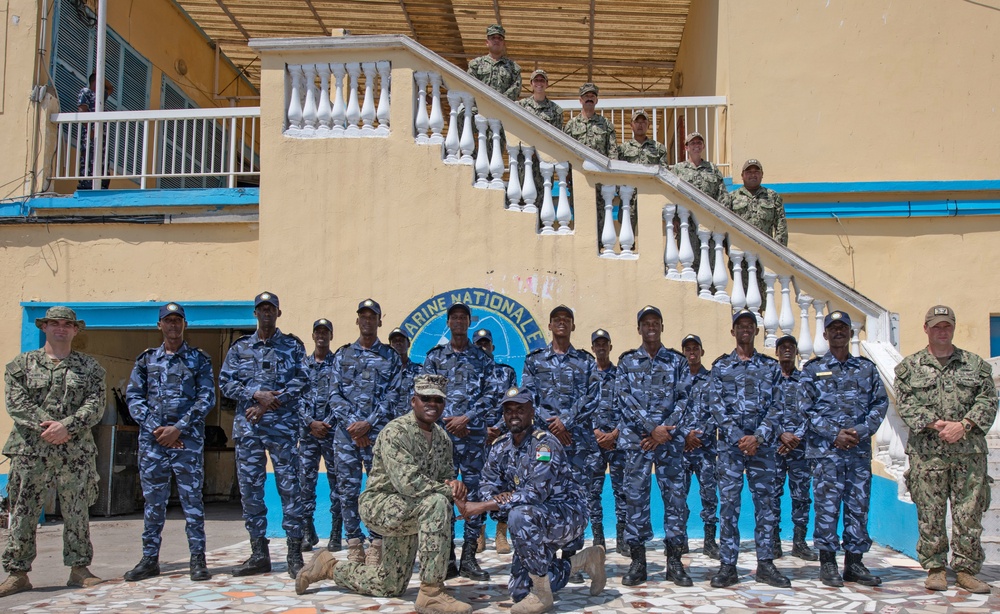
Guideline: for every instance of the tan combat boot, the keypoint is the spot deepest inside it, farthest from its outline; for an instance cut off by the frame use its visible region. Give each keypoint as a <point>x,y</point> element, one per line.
<point>16,582</point>
<point>433,600</point>
<point>538,600</point>
<point>503,546</point>
<point>591,561</point>
<point>319,568</point>
<point>971,583</point>
<point>481,544</point>
<point>374,556</point>
<point>81,577</point>
<point>936,580</point>
<point>355,551</point>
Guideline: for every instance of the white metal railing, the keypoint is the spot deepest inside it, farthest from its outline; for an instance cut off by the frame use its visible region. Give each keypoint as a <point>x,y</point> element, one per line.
<point>190,146</point>
<point>671,120</point>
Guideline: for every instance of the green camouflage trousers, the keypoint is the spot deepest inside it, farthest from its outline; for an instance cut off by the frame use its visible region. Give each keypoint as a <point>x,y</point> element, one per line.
<point>75,479</point>
<point>933,482</point>
<point>407,525</point>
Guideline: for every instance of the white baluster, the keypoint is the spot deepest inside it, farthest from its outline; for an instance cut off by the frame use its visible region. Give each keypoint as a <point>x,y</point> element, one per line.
<point>451,142</point>
<point>995,429</point>
<point>564,214</point>
<point>626,238</point>
<point>514,180</point>
<point>686,253</point>
<point>323,111</point>
<point>467,142</point>
<point>720,276</point>
<point>353,109</point>
<point>704,268</point>
<point>482,161</point>
<point>883,437</point>
<point>548,214</point>
<point>496,157</point>
<point>770,310</point>
<point>421,123</point>
<point>805,338</point>
<point>436,119</point>
<point>856,337</point>
<point>339,113</point>
<point>529,193</point>
<point>820,346</point>
<point>295,98</point>
<point>753,288</point>
<point>739,297</point>
<point>670,258</point>
<point>786,320</point>
<point>368,108</point>
<point>309,110</point>
<point>382,112</point>
<point>608,235</point>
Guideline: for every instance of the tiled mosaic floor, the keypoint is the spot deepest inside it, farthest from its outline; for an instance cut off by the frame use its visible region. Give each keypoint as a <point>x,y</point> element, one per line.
<point>902,591</point>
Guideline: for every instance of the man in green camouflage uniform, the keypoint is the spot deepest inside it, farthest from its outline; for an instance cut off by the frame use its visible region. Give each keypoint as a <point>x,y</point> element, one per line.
<point>495,69</point>
<point>539,104</point>
<point>947,398</point>
<point>408,501</point>
<point>591,129</point>
<point>54,396</point>
<point>758,205</point>
<point>639,149</point>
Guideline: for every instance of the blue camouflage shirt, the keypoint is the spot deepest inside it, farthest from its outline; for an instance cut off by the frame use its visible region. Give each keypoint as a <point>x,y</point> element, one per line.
<point>537,471</point>
<point>172,390</point>
<point>605,417</point>
<point>564,386</point>
<point>502,378</point>
<point>697,416</point>
<point>469,391</point>
<point>745,398</point>
<point>366,385</point>
<point>253,364</point>
<point>320,376</point>
<point>792,419</point>
<point>410,370</point>
<point>651,392</point>
<point>838,395</point>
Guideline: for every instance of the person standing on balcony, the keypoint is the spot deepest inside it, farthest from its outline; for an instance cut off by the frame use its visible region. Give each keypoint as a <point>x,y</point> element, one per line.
<point>639,149</point>
<point>55,395</point>
<point>364,395</point>
<point>86,102</point>
<point>539,104</point>
<point>565,392</point>
<point>946,396</point>
<point>400,341</point>
<point>495,69</point>
<point>316,439</point>
<point>744,395</point>
<point>650,397</point>
<point>791,459</point>
<point>843,400</point>
<point>698,171</point>
<point>593,130</point>
<point>170,392</point>
<point>758,205</point>
<point>263,373</point>
<point>606,431</point>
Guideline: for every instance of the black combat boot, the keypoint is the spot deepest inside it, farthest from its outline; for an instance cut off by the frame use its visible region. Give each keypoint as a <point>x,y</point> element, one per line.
<point>336,543</point>
<point>726,576</point>
<point>828,572</point>
<point>675,568</point>
<point>294,556</point>
<point>711,548</point>
<point>148,567</point>
<point>636,573</point>
<point>598,529</point>
<point>259,561</point>
<point>776,552</point>
<point>855,571</point>
<point>620,544</point>
<point>799,546</point>
<point>769,574</point>
<point>452,565</point>
<point>199,570</point>
<point>309,537</point>
<point>469,567</point>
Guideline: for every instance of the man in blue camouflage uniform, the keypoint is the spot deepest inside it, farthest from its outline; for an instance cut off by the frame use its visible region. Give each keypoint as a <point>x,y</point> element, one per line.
<point>502,377</point>
<point>316,440</point>
<point>650,396</point>
<point>263,373</point>
<point>364,396</point>
<point>400,341</point>
<point>530,478</point>
<point>565,393</point>
<point>744,397</point>
<point>612,460</point>
<point>700,445</point>
<point>468,369</point>
<point>791,458</point>
<point>170,392</point>
<point>844,402</point>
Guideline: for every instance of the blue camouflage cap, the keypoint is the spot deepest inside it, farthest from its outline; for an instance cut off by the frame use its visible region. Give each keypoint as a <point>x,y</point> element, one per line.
<point>836,316</point>
<point>266,297</point>
<point>786,339</point>
<point>171,309</point>
<point>459,305</point>
<point>694,338</point>
<point>648,309</point>
<point>324,323</point>
<point>600,333</point>
<point>398,331</point>
<point>744,313</point>
<point>371,305</point>
<point>516,395</point>
<point>482,333</point>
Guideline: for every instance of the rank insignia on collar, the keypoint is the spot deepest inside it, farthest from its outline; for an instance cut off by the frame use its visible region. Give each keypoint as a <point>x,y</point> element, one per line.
<point>543,453</point>
<point>517,480</point>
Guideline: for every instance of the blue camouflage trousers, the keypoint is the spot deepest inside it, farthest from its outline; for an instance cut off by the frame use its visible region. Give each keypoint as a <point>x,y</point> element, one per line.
<point>842,480</point>
<point>798,468</point>
<point>536,533</point>
<point>613,463</point>
<point>701,462</point>
<point>584,461</point>
<point>760,473</point>
<point>311,449</point>
<point>469,457</point>
<point>156,464</point>
<point>350,461</point>
<point>251,471</point>
<point>670,478</point>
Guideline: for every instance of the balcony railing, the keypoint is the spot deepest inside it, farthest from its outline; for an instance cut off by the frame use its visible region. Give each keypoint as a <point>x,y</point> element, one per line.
<point>167,149</point>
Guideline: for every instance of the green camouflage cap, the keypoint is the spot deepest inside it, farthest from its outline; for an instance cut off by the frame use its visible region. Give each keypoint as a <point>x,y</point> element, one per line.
<point>496,29</point>
<point>539,73</point>
<point>427,385</point>
<point>60,312</point>
<point>590,88</point>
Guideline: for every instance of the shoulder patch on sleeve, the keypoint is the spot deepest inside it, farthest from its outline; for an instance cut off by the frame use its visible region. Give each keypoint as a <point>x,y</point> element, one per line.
<point>986,369</point>
<point>903,369</point>
<point>543,452</point>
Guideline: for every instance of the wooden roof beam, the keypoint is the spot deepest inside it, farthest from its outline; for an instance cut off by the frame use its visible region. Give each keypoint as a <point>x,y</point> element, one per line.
<point>232,18</point>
